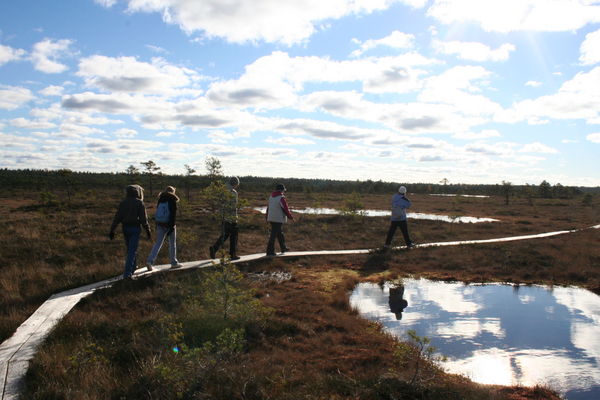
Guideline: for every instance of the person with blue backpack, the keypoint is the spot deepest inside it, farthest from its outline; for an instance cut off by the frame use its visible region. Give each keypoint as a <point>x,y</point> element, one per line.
<point>165,216</point>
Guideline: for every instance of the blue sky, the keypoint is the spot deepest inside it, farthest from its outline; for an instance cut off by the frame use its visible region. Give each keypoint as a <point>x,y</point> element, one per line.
<point>472,91</point>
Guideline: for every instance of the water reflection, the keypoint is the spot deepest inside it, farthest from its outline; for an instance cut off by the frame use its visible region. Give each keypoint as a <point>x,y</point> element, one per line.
<point>460,195</point>
<point>498,334</point>
<point>386,213</point>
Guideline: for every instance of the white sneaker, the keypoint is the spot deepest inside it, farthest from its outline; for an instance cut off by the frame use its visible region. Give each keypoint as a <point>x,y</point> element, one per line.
<point>176,266</point>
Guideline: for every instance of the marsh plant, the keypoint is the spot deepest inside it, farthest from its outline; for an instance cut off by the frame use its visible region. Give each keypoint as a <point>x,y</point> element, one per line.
<point>419,356</point>
<point>353,205</point>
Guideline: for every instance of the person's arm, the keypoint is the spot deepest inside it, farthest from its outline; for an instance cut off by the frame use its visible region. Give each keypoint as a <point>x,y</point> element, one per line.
<point>286,209</point>
<point>116,220</point>
<point>172,212</point>
<point>143,218</point>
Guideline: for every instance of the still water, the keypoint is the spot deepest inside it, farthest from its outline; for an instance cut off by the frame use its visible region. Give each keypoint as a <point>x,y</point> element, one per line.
<point>497,334</point>
<point>386,213</point>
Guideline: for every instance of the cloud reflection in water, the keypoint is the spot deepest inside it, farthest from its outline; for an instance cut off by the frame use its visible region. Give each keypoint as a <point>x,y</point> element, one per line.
<point>500,334</point>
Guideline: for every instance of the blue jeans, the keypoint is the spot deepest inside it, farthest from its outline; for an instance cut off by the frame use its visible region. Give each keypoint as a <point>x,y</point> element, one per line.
<point>161,234</point>
<point>132,240</point>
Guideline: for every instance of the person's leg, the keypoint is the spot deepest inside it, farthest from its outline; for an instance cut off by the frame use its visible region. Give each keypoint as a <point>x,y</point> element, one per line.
<point>390,234</point>
<point>132,240</point>
<point>275,229</point>
<point>222,238</point>
<point>404,229</point>
<point>220,241</point>
<point>173,246</point>
<point>281,239</point>
<point>160,238</point>
<point>233,237</point>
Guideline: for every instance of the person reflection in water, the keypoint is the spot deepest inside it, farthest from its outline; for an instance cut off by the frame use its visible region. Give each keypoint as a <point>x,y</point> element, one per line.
<point>396,302</point>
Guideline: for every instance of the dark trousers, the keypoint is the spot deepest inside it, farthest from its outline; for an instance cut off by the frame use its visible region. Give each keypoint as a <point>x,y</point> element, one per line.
<point>230,231</point>
<point>403,228</point>
<point>276,233</point>
<point>132,240</point>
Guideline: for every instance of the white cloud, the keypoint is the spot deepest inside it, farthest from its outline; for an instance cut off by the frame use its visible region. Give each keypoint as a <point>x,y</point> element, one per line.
<point>538,147</point>
<point>593,137</point>
<point>518,15</point>
<point>322,129</point>
<point>474,51</point>
<point>106,3</point>
<point>458,87</point>
<point>126,133</point>
<point>577,98</point>
<point>590,49</point>
<point>289,141</point>
<point>28,124</point>
<point>126,74</point>
<point>285,21</point>
<point>484,134</point>
<point>220,136</point>
<point>505,149</point>
<point>12,97</point>
<point>157,49</point>
<point>533,83</point>
<point>8,54</point>
<point>396,40</point>
<point>45,55</point>
<point>273,81</point>
<point>52,91</point>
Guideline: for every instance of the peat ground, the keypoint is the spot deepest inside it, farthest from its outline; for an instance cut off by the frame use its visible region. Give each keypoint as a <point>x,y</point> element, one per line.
<point>48,247</point>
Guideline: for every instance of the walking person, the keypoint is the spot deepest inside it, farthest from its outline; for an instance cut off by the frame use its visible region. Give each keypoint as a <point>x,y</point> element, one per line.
<point>166,214</point>
<point>398,220</point>
<point>278,213</point>
<point>131,214</point>
<point>229,220</point>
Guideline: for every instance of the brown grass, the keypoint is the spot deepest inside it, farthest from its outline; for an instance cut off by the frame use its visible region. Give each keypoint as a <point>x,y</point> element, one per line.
<point>115,345</point>
<point>47,249</point>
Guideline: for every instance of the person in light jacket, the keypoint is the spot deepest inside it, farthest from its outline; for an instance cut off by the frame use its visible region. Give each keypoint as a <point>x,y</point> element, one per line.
<point>166,229</point>
<point>278,213</point>
<point>399,205</point>
<point>131,214</point>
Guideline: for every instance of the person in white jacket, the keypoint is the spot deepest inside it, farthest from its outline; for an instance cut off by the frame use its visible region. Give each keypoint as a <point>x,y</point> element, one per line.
<point>399,205</point>
<point>278,213</point>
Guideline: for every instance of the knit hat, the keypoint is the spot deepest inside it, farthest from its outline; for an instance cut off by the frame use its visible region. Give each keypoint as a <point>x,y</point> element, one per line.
<point>402,190</point>
<point>234,181</point>
<point>280,187</point>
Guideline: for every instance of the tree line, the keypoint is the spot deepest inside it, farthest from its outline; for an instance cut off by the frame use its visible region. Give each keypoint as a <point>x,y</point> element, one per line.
<point>153,179</point>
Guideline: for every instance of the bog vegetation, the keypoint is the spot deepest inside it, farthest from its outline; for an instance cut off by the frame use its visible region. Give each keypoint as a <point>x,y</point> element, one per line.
<point>222,333</point>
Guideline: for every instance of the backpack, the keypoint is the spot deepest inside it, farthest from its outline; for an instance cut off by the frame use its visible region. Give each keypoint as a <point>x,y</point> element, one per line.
<point>163,214</point>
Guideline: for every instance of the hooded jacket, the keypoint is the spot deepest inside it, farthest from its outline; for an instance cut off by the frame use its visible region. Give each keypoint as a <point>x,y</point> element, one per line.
<point>399,205</point>
<point>278,210</point>
<point>131,211</point>
<point>172,200</point>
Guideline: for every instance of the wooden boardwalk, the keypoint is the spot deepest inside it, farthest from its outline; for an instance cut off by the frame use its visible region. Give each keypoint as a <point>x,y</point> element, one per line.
<point>17,351</point>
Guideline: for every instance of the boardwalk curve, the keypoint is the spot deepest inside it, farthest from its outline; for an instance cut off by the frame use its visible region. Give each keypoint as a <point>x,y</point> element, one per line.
<point>17,351</point>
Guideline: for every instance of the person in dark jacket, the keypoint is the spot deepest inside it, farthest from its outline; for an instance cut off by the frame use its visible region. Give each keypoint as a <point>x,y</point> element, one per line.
<point>278,213</point>
<point>165,227</point>
<point>229,220</point>
<point>131,214</point>
<point>399,205</point>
